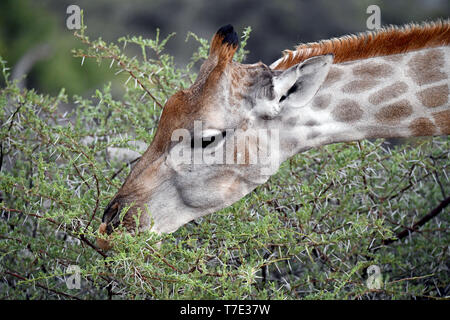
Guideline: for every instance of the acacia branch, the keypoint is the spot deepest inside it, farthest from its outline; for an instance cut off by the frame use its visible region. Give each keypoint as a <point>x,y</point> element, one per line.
<point>114,57</point>
<point>16,275</point>
<point>68,228</point>
<point>433,213</point>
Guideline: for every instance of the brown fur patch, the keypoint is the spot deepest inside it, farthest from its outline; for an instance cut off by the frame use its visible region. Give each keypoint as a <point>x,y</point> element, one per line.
<point>347,111</point>
<point>425,68</point>
<point>442,120</point>
<point>322,101</point>
<point>422,127</point>
<point>394,112</point>
<point>434,96</point>
<point>373,70</point>
<point>388,93</point>
<point>383,42</point>
<point>357,86</point>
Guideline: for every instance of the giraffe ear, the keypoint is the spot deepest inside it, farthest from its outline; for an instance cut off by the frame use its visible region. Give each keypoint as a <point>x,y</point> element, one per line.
<point>298,84</point>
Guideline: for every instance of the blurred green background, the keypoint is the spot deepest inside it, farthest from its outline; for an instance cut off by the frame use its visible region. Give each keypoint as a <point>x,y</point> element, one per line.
<point>38,28</point>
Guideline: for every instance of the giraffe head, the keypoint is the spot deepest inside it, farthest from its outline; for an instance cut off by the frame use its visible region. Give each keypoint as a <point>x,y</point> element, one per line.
<point>217,140</point>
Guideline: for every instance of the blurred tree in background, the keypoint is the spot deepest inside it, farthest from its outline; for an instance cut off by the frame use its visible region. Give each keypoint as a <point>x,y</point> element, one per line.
<point>29,31</point>
<point>276,25</point>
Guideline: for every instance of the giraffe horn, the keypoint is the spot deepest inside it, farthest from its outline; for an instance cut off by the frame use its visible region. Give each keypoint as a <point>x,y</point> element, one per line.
<point>224,44</point>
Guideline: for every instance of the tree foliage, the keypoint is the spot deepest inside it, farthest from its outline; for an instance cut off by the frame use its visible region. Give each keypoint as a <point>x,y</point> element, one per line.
<point>310,232</point>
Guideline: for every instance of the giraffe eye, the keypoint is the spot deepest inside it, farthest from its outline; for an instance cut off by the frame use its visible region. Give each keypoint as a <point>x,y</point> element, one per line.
<point>209,139</point>
<point>290,91</point>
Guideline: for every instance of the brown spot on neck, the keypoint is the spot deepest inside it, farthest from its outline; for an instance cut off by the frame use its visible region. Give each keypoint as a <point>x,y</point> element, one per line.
<point>388,93</point>
<point>425,68</point>
<point>334,75</point>
<point>361,85</point>
<point>434,96</point>
<point>347,111</point>
<point>394,112</point>
<point>312,135</point>
<point>422,127</point>
<point>372,70</point>
<point>442,120</point>
<point>322,101</point>
<point>393,58</point>
<point>311,123</point>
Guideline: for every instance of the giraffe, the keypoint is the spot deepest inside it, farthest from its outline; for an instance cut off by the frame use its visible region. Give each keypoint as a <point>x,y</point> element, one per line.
<point>383,84</point>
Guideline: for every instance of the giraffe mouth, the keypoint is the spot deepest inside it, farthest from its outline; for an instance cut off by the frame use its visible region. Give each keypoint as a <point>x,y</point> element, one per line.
<point>103,243</point>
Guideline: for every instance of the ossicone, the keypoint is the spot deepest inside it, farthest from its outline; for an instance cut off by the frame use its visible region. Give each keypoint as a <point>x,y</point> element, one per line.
<point>229,36</point>
<point>224,44</point>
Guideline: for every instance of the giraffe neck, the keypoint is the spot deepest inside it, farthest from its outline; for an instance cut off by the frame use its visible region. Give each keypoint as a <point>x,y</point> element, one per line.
<point>400,95</point>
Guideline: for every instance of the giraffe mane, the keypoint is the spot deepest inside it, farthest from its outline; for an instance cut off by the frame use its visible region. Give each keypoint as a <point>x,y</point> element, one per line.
<point>386,41</point>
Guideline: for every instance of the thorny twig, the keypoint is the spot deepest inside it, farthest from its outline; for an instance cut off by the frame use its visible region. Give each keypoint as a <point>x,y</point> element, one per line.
<point>420,223</point>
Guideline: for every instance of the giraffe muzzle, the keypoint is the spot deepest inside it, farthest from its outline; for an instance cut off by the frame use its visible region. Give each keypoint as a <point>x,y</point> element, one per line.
<point>110,221</point>
<point>111,216</point>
